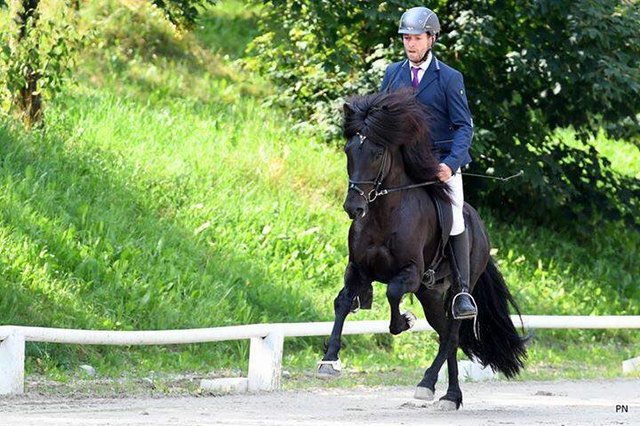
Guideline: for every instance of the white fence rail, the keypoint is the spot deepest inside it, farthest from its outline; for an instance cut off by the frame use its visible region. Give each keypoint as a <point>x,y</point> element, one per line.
<point>267,340</point>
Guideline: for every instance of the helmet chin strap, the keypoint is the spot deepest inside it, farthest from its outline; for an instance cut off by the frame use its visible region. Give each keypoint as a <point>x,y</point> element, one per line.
<point>424,58</point>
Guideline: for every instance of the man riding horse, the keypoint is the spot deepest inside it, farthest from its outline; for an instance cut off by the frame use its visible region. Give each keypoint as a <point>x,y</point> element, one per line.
<point>405,147</point>
<point>441,89</point>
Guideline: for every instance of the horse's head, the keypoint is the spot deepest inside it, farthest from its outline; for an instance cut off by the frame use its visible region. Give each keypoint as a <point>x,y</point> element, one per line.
<point>387,135</point>
<point>367,166</point>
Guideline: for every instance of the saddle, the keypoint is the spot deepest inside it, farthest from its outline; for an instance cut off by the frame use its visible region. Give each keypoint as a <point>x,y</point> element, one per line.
<point>437,270</point>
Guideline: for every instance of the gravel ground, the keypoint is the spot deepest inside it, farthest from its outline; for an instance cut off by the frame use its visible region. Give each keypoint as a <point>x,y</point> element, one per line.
<point>489,403</point>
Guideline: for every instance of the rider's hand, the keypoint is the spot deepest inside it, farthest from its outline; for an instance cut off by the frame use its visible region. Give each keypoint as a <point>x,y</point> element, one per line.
<point>444,173</point>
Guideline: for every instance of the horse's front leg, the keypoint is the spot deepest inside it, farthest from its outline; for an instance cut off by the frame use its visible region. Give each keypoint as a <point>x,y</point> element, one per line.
<point>354,280</point>
<point>408,280</point>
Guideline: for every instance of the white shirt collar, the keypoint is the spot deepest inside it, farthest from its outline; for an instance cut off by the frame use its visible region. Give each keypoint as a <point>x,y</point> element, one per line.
<point>423,66</point>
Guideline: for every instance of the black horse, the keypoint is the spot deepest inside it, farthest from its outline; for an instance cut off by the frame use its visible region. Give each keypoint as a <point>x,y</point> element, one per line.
<point>396,235</point>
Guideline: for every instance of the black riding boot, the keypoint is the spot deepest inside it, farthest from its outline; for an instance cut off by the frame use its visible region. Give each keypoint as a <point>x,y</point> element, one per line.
<point>463,306</point>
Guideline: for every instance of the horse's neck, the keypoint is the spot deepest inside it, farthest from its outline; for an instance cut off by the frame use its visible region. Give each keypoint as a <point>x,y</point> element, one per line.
<point>387,207</point>
<point>397,175</point>
<point>385,212</point>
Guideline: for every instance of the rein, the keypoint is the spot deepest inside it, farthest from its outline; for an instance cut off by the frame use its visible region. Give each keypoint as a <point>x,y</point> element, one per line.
<point>376,191</point>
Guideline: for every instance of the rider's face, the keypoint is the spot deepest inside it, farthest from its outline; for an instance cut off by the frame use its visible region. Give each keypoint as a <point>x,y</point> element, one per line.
<point>416,45</point>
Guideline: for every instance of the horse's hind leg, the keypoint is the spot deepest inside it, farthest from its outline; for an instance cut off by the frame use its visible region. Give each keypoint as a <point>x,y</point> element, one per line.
<point>447,349</point>
<point>453,398</point>
<point>447,329</point>
<point>353,280</point>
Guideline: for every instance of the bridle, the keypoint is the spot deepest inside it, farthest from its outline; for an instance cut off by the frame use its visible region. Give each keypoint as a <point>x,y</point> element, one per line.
<point>376,192</point>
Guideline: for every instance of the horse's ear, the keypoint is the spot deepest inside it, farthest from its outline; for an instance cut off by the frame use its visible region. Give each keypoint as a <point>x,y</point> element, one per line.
<point>348,109</point>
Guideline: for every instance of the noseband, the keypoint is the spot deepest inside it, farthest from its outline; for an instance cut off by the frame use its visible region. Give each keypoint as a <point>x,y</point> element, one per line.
<point>375,192</point>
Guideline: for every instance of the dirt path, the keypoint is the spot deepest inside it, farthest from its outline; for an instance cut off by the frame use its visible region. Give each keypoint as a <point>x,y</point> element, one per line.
<point>495,403</point>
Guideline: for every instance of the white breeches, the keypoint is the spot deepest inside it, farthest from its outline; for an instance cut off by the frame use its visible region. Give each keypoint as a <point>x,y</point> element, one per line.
<point>457,198</point>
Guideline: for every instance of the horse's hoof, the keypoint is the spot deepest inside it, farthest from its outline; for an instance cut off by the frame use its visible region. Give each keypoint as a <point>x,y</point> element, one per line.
<point>410,319</point>
<point>446,405</point>
<point>329,369</point>
<point>424,394</point>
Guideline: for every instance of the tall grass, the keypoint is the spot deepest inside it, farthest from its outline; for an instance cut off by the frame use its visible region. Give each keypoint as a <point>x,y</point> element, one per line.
<point>128,216</point>
<point>164,194</point>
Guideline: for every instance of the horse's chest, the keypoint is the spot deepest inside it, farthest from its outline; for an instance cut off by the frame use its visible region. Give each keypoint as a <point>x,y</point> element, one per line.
<point>377,255</point>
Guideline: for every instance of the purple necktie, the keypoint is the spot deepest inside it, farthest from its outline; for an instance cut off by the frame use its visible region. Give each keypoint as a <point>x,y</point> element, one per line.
<point>415,82</point>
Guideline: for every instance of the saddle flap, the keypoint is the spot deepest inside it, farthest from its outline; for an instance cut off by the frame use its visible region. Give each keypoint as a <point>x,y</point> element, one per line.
<point>435,270</point>
<point>445,218</point>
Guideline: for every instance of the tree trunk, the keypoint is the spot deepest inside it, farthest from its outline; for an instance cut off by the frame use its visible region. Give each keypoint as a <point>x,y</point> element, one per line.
<point>28,98</point>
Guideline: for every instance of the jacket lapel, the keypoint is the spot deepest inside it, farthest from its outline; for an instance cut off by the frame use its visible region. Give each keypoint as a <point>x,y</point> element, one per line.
<point>430,76</point>
<point>405,75</point>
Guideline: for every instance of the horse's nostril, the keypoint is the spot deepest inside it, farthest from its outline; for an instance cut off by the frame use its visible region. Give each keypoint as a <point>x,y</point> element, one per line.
<point>359,212</point>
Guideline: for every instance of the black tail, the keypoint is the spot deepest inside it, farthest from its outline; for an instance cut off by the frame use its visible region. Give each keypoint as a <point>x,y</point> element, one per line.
<point>500,346</point>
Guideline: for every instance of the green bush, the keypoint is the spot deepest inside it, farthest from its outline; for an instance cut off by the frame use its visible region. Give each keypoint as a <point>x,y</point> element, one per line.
<point>530,67</point>
<point>534,67</point>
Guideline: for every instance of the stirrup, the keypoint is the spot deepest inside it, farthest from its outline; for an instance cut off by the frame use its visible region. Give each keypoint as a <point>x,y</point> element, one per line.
<point>473,302</point>
<point>476,328</point>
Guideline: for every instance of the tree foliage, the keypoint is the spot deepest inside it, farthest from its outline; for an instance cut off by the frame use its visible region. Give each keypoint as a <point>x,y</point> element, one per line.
<point>35,57</point>
<point>182,13</point>
<point>38,46</point>
<point>538,66</point>
<point>530,68</point>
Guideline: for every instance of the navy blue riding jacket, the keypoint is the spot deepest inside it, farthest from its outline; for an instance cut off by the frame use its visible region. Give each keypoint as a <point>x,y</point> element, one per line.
<point>442,91</point>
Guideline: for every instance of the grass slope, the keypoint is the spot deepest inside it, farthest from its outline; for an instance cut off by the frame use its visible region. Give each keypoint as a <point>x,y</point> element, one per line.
<point>164,194</point>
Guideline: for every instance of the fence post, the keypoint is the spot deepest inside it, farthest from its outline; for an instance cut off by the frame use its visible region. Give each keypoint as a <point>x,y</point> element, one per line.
<point>265,361</point>
<point>12,364</point>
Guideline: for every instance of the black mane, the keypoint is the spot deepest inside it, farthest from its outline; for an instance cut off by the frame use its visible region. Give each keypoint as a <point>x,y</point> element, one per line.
<point>396,119</point>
